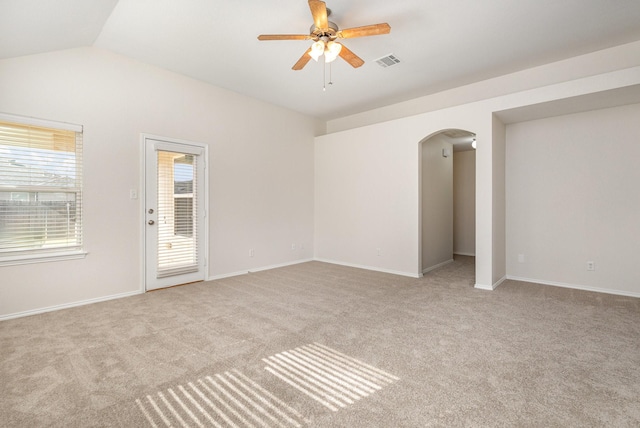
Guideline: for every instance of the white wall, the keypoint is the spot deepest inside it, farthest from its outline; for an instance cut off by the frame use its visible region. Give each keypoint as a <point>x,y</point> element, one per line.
<point>262,161</point>
<point>498,210</point>
<point>367,180</point>
<point>361,204</point>
<point>437,202</point>
<point>572,197</point>
<point>261,170</point>
<point>464,203</point>
<point>367,189</point>
<point>600,62</point>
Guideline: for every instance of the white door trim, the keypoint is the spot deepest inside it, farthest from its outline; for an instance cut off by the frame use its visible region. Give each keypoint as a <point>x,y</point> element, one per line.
<point>144,137</point>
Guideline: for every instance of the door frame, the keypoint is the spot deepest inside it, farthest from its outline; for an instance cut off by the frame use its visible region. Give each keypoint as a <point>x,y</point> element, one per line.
<point>144,137</point>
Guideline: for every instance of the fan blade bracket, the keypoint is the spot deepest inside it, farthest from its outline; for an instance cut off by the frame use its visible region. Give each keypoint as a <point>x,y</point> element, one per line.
<point>317,33</point>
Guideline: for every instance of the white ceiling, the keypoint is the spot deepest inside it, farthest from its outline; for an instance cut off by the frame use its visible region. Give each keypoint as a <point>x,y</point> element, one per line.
<point>441,43</point>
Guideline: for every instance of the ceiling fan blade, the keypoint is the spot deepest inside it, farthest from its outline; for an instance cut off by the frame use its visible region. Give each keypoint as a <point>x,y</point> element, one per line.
<point>319,13</point>
<point>304,59</point>
<point>284,37</point>
<point>350,57</point>
<point>367,30</point>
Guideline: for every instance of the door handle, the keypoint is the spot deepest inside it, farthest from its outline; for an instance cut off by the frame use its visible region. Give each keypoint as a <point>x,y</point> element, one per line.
<point>151,222</point>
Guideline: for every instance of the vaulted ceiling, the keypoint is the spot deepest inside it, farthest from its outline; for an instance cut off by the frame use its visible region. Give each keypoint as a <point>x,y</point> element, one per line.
<point>440,43</point>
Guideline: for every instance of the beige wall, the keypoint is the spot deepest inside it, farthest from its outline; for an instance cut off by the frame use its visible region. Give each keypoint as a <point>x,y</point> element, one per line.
<point>437,203</point>
<point>464,203</point>
<point>572,197</point>
<point>260,170</point>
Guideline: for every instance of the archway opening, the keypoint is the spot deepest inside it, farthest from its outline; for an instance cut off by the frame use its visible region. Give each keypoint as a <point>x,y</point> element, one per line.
<point>447,199</point>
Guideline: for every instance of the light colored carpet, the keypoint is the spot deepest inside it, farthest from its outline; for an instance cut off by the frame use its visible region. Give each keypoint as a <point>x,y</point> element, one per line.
<point>321,345</point>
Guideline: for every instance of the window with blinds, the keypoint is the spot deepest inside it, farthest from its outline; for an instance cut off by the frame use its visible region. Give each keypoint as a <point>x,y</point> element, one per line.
<point>40,189</point>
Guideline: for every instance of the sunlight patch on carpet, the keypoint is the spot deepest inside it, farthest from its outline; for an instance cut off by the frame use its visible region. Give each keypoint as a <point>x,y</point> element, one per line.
<point>230,399</point>
<point>333,379</point>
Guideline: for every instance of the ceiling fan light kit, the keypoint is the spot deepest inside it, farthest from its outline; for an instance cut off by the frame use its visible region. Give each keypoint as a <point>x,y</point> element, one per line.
<point>330,49</point>
<point>324,34</point>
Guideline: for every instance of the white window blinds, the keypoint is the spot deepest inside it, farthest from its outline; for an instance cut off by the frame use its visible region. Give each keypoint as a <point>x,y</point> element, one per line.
<point>177,224</point>
<point>40,189</point>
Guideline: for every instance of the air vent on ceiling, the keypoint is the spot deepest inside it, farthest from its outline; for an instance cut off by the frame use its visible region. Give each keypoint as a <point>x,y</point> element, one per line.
<point>387,61</point>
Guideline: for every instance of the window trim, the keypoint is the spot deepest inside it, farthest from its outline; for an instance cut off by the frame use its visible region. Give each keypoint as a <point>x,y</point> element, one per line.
<point>73,254</point>
<point>42,258</point>
<point>26,120</point>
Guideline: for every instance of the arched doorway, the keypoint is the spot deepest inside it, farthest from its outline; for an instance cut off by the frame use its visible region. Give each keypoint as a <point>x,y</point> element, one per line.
<point>447,193</point>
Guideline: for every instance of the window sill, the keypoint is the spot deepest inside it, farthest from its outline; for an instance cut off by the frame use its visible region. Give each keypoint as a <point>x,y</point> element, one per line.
<point>42,258</point>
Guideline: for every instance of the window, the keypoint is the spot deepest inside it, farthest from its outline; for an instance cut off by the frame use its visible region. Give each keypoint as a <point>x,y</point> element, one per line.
<point>40,190</point>
<point>183,196</point>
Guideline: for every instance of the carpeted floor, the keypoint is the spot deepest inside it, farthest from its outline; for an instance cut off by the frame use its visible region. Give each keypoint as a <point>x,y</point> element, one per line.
<point>321,345</point>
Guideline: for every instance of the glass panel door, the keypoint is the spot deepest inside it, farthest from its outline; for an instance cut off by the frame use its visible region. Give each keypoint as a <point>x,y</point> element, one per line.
<point>174,214</point>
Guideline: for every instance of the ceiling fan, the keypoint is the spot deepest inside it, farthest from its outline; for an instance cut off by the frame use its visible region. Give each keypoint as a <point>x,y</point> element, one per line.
<point>324,34</point>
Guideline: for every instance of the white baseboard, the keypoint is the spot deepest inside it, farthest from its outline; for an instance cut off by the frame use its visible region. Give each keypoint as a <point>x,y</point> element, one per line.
<point>296,262</point>
<point>257,269</point>
<point>464,254</point>
<point>439,265</point>
<point>227,275</point>
<point>375,269</point>
<point>68,305</point>
<point>492,286</point>
<point>500,281</point>
<point>576,286</point>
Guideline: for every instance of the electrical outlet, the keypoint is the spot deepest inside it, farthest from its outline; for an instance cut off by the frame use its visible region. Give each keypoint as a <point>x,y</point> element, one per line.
<point>378,250</point>
<point>293,247</point>
<point>591,266</point>
<point>520,258</point>
<point>251,252</point>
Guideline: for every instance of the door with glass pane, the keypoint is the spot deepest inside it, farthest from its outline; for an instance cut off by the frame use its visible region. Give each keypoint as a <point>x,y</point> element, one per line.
<point>174,213</point>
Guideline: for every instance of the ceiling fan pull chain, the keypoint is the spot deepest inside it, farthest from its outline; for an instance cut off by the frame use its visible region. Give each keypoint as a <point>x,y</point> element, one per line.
<point>324,77</point>
<point>330,75</point>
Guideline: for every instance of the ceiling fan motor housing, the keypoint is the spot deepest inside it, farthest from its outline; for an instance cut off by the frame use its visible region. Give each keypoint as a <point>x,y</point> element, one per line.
<point>330,33</point>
